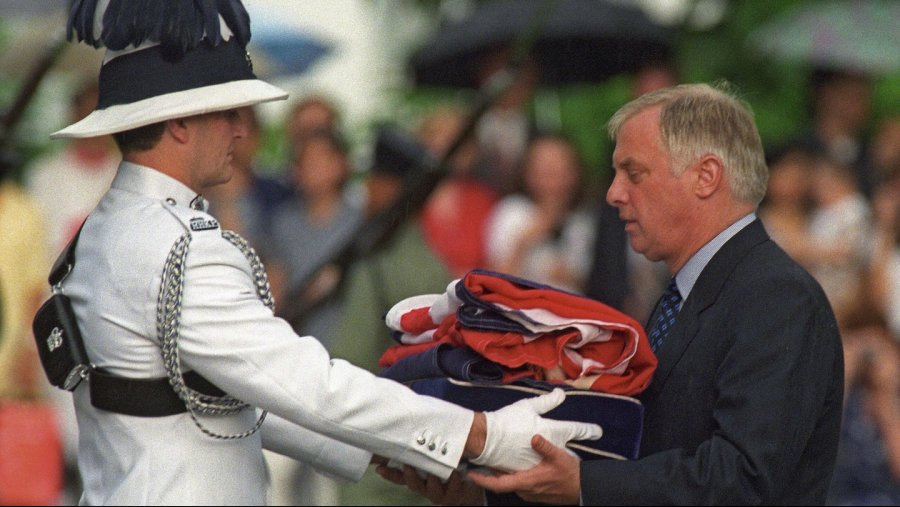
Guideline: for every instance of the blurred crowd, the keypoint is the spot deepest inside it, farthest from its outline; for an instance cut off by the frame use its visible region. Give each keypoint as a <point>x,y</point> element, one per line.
<point>514,199</point>
<point>834,205</point>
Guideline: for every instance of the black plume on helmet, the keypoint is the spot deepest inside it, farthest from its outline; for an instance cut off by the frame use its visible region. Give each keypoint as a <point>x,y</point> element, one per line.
<point>178,25</point>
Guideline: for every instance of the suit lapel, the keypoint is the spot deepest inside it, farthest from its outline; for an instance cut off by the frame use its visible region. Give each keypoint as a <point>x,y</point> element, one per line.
<point>704,294</point>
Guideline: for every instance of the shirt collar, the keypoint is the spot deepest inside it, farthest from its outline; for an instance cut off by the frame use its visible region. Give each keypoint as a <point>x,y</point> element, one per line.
<point>690,272</point>
<point>151,183</point>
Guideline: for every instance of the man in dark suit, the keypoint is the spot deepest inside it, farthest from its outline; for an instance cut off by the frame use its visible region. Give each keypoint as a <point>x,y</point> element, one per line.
<point>745,406</point>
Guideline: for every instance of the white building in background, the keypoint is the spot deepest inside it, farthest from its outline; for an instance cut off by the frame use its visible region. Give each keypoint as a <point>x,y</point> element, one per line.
<point>370,41</point>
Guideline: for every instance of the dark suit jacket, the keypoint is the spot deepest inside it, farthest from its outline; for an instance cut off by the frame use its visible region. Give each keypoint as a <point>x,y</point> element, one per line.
<point>745,406</point>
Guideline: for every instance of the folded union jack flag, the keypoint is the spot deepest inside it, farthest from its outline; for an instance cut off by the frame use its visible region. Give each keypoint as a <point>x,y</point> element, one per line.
<point>530,330</point>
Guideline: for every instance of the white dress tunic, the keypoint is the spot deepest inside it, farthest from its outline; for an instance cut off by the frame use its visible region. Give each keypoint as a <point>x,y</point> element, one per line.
<point>232,339</point>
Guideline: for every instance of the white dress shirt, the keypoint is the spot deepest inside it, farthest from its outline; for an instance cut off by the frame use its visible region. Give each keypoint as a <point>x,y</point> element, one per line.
<point>689,273</point>
<point>231,338</point>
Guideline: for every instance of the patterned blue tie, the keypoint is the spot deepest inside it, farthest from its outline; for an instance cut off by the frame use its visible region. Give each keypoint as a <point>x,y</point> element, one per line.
<point>665,319</point>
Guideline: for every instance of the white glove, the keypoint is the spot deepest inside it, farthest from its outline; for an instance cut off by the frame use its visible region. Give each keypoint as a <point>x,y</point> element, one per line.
<point>507,444</point>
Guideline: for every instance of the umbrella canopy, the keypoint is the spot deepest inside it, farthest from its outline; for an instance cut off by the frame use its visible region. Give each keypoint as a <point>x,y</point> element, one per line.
<point>849,35</point>
<point>282,49</point>
<point>288,56</point>
<point>580,41</point>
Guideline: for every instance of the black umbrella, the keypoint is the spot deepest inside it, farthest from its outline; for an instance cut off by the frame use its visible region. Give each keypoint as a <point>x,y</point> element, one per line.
<point>579,41</point>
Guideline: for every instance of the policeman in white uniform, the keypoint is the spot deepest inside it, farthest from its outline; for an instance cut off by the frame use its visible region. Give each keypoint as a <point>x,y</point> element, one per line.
<point>161,293</point>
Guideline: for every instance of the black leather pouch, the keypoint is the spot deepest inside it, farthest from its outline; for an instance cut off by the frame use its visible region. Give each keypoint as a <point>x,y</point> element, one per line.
<point>59,343</point>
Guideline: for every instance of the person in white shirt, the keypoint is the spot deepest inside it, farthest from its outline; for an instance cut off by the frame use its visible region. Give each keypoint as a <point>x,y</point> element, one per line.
<point>840,226</point>
<point>166,300</point>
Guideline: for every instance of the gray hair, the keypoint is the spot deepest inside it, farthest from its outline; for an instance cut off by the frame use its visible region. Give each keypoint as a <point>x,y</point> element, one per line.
<point>699,119</point>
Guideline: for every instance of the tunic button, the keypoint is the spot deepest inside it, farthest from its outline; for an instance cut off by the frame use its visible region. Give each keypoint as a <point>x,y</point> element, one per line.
<point>444,450</point>
<point>432,446</point>
<point>421,440</point>
<point>171,201</point>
